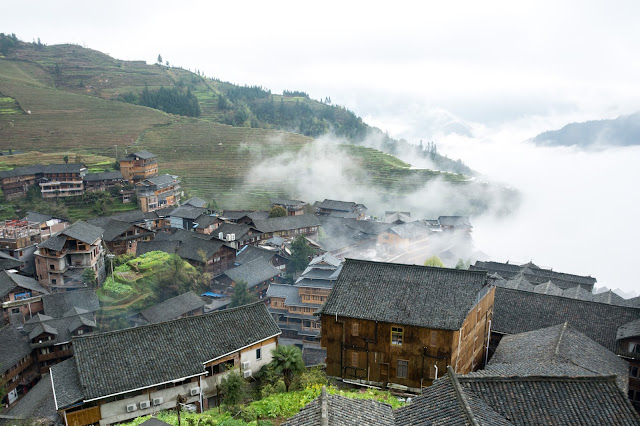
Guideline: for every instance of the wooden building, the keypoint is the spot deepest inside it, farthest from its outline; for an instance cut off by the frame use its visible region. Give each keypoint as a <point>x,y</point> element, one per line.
<point>158,192</point>
<point>292,207</point>
<point>187,356</point>
<point>62,180</point>
<point>18,239</point>
<point>138,166</point>
<point>18,371</point>
<point>15,183</point>
<point>102,181</point>
<point>20,295</point>
<point>400,325</point>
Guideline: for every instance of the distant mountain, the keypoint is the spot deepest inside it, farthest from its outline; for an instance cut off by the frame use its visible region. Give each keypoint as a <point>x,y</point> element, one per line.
<point>622,131</point>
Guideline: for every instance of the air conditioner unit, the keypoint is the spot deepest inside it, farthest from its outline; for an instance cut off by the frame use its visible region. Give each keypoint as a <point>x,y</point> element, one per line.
<point>145,404</point>
<point>233,237</point>
<point>221,235</point>
<point>157,401</point>
<point>247,373</point>
<point>194,391</point>
<point>245,365</point>
<point>131,408</point>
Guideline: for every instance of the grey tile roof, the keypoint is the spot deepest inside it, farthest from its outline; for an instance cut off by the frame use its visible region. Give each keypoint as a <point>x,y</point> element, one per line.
<point>205,220</point>
<point>37,217</point>
<point>61,327</point>
<point>14,345</point>
<point>152,354</point>
<point>55,242</point>
<point>188,212</point>
<point>561,344</point>
<point>249,253</point>
<point>286,202</point>
<point>437,298</point>
<point>38,403</point>
<point>286,223</point>
<point>287,291</point>
<point>609,297</point>
<point>66,383</point>
<point>64,168</point>
<point>630,329</point>
<point>254,273</point>
<point>454,221</point>
<point>58,304</point>
<point>144,155</point>
<point>554,400</point>
<point>83,231</point>
<point>336,205</point>
<point>548,288</point>
<point>517,311</point>
<point>133,216</point>
<point>342,411</point>
<point>195,202</point>
<point>326,260</point>
<point>173,308</point>
<point>447,403</point>
<point>535,275</point>
<point>240,231</point>
<point>186,244</point>
<point>23,171</point>
<point>313,356</point>
<point>411,230</point>
<point>114,229</point>
<point>8,262</point>
<point>390,217</point>
<point>162,180</point>
<point>92,177</point>
<point>9,281</point>
<point>537,369</point>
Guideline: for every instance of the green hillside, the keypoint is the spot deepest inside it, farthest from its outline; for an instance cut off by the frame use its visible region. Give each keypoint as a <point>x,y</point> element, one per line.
<point>70,98</point>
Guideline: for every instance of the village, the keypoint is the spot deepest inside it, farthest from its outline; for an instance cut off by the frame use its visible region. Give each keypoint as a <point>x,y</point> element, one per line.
<point>127,315</point>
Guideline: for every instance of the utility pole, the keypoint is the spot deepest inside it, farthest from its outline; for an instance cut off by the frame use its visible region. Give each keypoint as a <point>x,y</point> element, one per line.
<point>116,152</point>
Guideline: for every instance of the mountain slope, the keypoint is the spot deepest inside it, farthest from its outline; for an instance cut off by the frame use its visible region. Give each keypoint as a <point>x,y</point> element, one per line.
<point>622,131</point>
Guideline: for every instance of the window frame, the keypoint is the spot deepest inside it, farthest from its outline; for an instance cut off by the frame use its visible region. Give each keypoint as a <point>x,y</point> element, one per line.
<point>405,369</point>
<point>398,333</point>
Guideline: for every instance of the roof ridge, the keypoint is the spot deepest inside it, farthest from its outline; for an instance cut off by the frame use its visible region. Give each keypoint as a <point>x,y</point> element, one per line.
<point>598,378</point>
<point>462,398</point>
<point>557,348</point>
<point>475,272</point>
<point>158,324</point>
<point>572,298</point>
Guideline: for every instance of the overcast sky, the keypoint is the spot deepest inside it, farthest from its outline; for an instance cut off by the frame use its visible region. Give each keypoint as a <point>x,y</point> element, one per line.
<point>506,70</point>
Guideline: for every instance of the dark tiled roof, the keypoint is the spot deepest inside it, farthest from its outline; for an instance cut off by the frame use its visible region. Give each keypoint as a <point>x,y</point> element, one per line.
<point>113,229</point>
<point>342,411</point>
<point>64,168</point>
<point>437,298</point>
<point>144,155</point>
<point>38,403</point>
<point>286,202</point>
<point>454,221</point>
<point>254,273</point>
<point>412,230</point>
<point>554,400</point>
<point>517,311</point>
<point>561,344</point>
<point>92,177</point>
<point>134,216</point>
<point>313,356</point>
<point>8,262</point>
<point>286,291</point>
<point>249,253</point>
<point>37,217</point>
<point>188,212</point>
<point>240,231</point>
<point>535,275</point>
<point>186,244</point>
<point>83,231</point>
<point>9,281</point>
<point>390,217</point>
<point>66,383</point>
<point>158,353</point>
<point>609,297</point>
<point>630,329</point>
<point>55,242</point>
<point>205,221</point>
<point>446,403</point>
<point>61,327</point>
<point>195,202</point>
<point>22,171</point>
<point>173,308</point>
<point>57,305</point>
<point>14,346</point>
<point>337,205</point>
<point>286,223</point>
<point>162,180</point>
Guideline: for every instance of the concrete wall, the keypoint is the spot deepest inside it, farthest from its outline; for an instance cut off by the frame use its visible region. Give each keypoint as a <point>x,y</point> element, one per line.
<point>249,355</point>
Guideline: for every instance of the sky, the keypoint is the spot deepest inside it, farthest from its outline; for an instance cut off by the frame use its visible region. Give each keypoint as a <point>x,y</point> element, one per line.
<point>503,70</point>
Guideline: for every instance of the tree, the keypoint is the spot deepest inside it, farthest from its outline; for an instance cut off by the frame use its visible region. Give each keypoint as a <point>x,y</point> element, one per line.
<point>234,389</point>
<point>287,360</point>
<point>65,159</point>
<point>277,211</point>
<point>89,275</point>
<point>159,59</point>
<point>434,261</point>
<point>462,264</point>
<point>241,295</point>
<point>300,253</point>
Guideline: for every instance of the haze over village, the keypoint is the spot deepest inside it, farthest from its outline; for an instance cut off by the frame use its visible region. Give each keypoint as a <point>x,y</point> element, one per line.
<point>391,215</point>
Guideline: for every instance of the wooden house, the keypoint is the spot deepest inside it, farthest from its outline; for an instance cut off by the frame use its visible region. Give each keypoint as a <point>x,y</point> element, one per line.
<point>292,207</point>
<point>18,239</point>
<point>18,371</point>
<point>62,180</point>
<point>344,209</point>
<point>158,192</point>
<point>123,237</point>
<point>20,295</point>
<point>102,181</point>
<point>138,166</point>
<point>15,183</point>
<point>400,325</point>
<point>187,356</point>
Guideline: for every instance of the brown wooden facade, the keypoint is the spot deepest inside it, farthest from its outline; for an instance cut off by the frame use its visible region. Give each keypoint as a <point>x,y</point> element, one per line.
<point>381,353</point>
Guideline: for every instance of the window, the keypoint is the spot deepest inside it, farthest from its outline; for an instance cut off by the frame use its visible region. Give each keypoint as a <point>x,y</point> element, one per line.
<point>354,329</point>
<point>633,371</point>
<point>354,359</point>
<point>403,369</point>
<point>397,335</point>
<point>434,338</point>
<point>259,353</point>
<point>52,267</point>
